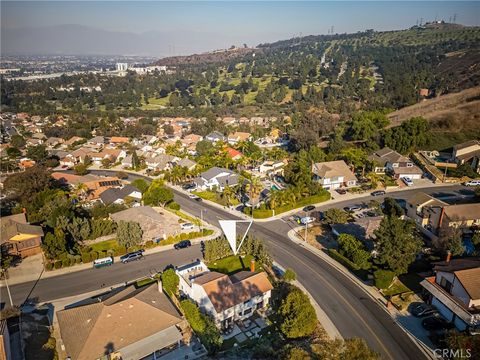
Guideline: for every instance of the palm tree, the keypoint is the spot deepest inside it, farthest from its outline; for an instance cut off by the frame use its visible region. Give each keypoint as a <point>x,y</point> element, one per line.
<point>253,188</point>
<point>81,190</point>
<point>227,194</point>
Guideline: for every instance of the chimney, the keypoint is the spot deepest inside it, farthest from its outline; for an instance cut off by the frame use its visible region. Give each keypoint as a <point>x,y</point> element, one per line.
<point>159,284</point>
<point>449,256</point>
<point>252,265</point>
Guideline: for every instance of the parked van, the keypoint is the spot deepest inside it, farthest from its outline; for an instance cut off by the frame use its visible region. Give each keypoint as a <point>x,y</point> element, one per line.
<point>107,261</point>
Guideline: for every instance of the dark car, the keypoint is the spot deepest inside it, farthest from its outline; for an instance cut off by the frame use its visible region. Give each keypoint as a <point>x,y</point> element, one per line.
<point>182,244</point>
<point>136,255</point>
<point>378,193</point>
<point>309,208</point>
<point>436,323</point>
<point>341,191</point>
<point>198,198</point>
<point>421,309</point>
<point>188,187</point>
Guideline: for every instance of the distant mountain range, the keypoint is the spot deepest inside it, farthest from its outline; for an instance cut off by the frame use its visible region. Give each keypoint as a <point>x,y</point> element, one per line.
<point>83,40</point>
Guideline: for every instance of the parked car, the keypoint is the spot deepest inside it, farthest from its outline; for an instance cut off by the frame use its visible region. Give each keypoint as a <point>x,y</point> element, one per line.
<point>198,198</point>
<point>182,244</point>
<point>307,220</point>
<point>407,181</point>
<point>437,323</point>
<point>472,183</point>
<point>296,218</point>
<point>352,208</point>
<point>308,208</point>
<point>378,193</point>
<point>187,226</point>
<point>193,196</point>
<point>419,309</point>
<point>136,255</point>
<point>188,187</point>
<point>341,191</point>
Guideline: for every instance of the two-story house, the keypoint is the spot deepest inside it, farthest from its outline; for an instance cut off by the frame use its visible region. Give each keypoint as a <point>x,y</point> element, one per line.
<point>215,136</point>
<point>225,298</point>
<point>236,137</point>
<point>468,153</point>
<point>333,174</point>
<point>18,237</point>
<point>389,161</point>
<point>431,214</point>
<point>216,177</point>
<point>455,291</point>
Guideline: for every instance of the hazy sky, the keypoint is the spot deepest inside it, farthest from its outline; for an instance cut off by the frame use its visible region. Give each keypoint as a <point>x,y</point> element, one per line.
<point>230,22</point>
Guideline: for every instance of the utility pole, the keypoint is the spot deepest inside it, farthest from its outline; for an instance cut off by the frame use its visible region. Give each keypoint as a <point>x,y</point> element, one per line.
<point>8,289</point>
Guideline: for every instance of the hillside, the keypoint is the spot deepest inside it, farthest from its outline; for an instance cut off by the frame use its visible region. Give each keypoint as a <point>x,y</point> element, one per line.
<point>219,56</point>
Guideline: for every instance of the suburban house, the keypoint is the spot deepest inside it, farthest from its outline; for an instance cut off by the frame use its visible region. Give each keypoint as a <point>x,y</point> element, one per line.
<point>238,136</point>
<point>216,178</point>
<point>154,225</point>
<point>225,298</point>
<point>112,154</point>
<point>120,195</point>
<point>215,136</point>
<point>191,139</point>
<point>53,141</point>
<point>389,161</point>
<point>18,237</point>
<point>431,214</point>
<point>455,291</point>
<point>363,229</point>
<point>270,168</point>
<point>5,348</point>
<point>233,154</point>
<point>73,140</point>
<point>118,140</point>
<point>94,185</point>
<point>97,141</point>
<point>468,153</point>
<point>128,324</point>
<point>333,174</point>
<point>160,162</point>
<point>187,163</point>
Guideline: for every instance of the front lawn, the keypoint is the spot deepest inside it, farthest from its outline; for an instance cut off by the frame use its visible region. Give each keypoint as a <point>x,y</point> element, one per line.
<point>215,197</point>
<point>105,245</point>
<point>232,264</point>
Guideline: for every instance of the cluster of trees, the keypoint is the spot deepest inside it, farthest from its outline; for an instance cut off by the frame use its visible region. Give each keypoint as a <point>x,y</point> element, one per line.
<point>219,248</point>
<point>203,326</point>
<point>157,194</point>
<point>354,250</point>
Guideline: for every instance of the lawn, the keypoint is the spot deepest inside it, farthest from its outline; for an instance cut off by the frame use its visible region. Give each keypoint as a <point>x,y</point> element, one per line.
<point>215,197</point>
<point>105,245</point>
<point>404,283</point>
<point>232,264</point>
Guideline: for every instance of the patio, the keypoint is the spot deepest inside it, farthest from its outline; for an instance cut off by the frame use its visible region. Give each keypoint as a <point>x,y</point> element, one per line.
<point>243,330</point>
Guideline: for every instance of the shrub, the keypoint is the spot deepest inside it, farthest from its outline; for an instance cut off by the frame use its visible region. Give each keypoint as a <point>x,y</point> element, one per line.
<point>58,264</point>
<point>66,262</point>
<point>289,275</point>
<point>119,251</point>
<point>342,259</point>
<point>48,266</point>
<point>170,282</point>
<point>173,205</point>
<point>149,244</point>
<point>298,317</point>
<point>383,278</point>
<point>93,255</point>
<point>78,259</point>
<point>86,258</point>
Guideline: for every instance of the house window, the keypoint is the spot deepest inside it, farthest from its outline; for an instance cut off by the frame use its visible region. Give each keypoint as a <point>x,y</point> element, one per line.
<point>248,311</point>
<point>447,285</point>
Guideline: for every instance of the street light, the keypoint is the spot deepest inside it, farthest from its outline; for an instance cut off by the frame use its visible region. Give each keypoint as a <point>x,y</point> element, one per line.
<point>8,289</point>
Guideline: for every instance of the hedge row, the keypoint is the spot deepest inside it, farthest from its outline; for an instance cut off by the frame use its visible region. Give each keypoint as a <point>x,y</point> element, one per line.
<point>342,259</point>
<point>186,236</point>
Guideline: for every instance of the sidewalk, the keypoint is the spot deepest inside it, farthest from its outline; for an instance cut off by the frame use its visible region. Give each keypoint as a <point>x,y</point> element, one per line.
<point>423,343</point>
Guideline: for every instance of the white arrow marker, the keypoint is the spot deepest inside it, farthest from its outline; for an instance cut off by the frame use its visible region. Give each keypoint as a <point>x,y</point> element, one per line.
<point>229,228</point>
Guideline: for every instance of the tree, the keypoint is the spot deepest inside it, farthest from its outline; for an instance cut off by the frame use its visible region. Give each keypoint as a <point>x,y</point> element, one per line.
<point>80,169</point>
<point>298,317</point>
<point>54,243</point>
<point>289,275</point>
<point>468,346</point>
<point>170,282</point>
<point>140,184</point>
<point>135,160</point>
<point>157,194</point>
<point>353,249</point>
<point>397,244</point>
<point>37,153</point>
<point>392,208</point>
<point>79,228</point>
<point>450,239</point>
<point>25,185</point>
<point>335,216</point>
<point>17,141</point>
<point>13,152</point>
<point>129,233</point>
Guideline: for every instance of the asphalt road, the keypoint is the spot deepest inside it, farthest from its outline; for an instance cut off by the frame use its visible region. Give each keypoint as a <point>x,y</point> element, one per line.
<point>352,311</point>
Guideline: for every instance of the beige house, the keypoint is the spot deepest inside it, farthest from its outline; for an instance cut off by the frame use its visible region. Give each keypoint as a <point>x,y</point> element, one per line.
<point>128,325</point>
<point>468,153</point>
<point>431,214</point>
<point>334,174</point>
<point>18,237</point>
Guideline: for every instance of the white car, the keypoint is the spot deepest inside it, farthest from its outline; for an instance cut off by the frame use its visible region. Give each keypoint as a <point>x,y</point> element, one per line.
<point>472,183</point>
<point>407,181</point>
<point>307,220</point>
<point>187,226</point>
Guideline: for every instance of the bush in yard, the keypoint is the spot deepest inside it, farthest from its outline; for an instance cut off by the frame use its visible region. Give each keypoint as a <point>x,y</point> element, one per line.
<point>58,264</point>
<point>78,259</point>
<point>383,278</point>
<point>336,216</point>
<point>119,251</point>
<point>173,205</point>
<point>86,258</point>
<point>48,266</point>
<point>93,255</point>
<point>289,275</point>
<point>66,262</point>
<point>149,244</point>
<point>129,233</point>
<point>298,317</point>
<point>170,282</point>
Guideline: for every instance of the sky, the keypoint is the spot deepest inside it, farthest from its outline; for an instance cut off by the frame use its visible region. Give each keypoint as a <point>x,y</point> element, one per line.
<point>227,23</point>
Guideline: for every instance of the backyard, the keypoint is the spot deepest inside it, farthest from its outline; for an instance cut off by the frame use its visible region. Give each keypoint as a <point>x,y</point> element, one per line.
<point>233,264</point>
